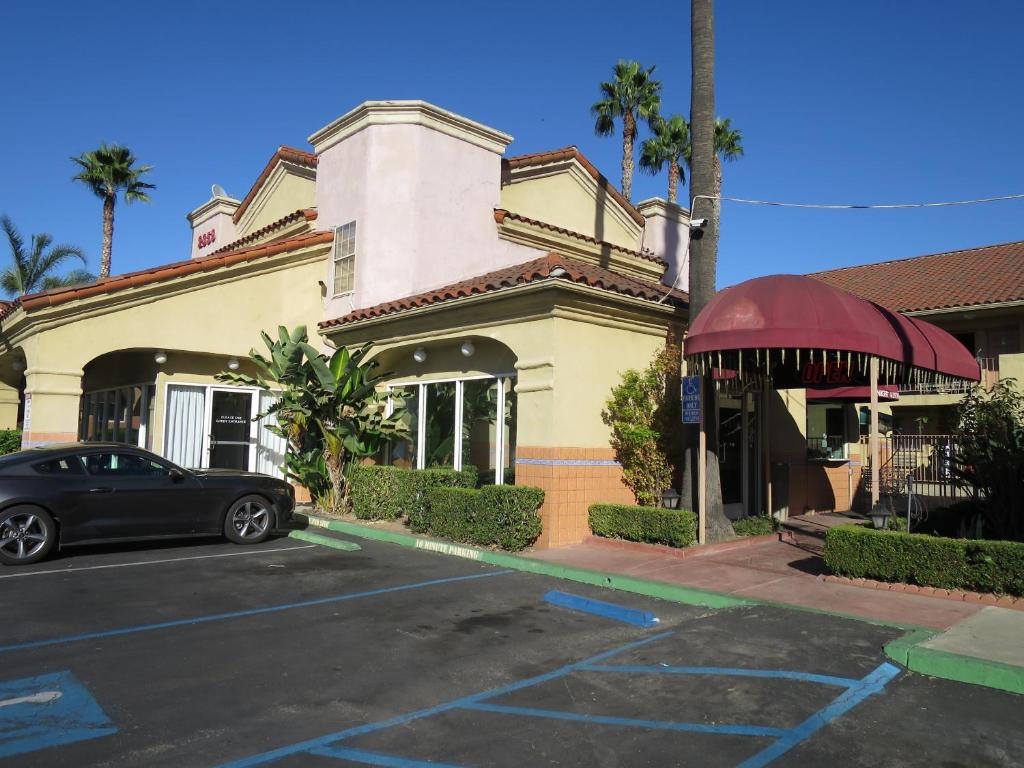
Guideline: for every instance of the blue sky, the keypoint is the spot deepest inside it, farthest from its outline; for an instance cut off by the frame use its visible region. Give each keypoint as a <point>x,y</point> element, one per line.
<point>861,101</point>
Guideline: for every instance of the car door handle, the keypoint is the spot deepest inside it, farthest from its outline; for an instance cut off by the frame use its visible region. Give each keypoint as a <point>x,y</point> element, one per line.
<point>101,490</point>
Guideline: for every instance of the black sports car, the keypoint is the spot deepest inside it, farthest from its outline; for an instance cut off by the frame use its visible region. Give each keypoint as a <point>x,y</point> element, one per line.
<point>81,493</point>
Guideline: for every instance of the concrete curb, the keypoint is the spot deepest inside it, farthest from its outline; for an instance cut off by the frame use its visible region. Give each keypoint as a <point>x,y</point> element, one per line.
<point>658,589</point>
<point>908,651</point>
<point>325,541</point>
<point>905,650</point>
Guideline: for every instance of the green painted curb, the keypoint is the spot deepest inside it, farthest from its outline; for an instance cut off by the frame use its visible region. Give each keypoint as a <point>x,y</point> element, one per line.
<point>686,595</point>
<point>909,652</point>
<point>598,578</point>
<point>326,541</point>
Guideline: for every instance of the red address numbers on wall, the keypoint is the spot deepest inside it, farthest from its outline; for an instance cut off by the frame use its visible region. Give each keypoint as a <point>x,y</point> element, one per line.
<point>208,238</point>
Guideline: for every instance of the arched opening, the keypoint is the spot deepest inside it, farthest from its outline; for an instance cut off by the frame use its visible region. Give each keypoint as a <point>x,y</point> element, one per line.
<point>461,394</point>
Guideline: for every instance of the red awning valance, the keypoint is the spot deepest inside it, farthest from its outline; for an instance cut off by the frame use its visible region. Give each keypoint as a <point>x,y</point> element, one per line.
<point>753,325</point>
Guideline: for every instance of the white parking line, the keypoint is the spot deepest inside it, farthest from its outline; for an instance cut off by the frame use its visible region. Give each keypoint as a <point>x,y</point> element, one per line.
<point>155,562</point>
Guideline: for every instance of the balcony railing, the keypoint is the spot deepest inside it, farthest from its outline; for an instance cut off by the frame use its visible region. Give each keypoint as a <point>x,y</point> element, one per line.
<point>829,448</point>
<point>928,459</point>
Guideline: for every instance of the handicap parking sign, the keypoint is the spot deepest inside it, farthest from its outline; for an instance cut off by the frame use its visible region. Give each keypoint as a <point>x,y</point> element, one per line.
<point>691,394</point>
<point>47,710</point>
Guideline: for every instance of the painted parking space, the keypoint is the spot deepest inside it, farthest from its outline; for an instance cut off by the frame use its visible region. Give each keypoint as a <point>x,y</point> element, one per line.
<point>398,657</point>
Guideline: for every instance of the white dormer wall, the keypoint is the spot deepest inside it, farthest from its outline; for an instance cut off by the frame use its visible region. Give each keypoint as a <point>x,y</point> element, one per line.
<point>666,234</point>
<point>212,225</point>
<point>421,183</point>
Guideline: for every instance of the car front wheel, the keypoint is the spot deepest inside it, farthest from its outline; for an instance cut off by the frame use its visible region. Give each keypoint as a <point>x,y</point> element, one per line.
<point>249,520</point>
<point>27,534</point>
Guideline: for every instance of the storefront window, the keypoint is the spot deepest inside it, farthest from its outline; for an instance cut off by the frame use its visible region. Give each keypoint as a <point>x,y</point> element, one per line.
<point>119,415</point>
<point>826,431</point>
<point>456,424</point>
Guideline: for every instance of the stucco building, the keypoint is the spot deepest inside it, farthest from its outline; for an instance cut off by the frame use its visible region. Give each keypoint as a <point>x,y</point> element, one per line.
<point>506,293</point>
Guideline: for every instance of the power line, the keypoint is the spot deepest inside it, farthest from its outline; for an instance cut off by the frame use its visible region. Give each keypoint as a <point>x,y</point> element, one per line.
<point>857,206</point>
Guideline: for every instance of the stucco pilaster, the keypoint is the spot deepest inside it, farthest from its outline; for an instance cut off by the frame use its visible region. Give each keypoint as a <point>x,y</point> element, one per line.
<point>52,397</point>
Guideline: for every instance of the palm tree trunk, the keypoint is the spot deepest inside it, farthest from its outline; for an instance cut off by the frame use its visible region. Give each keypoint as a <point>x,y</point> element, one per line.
<point>628,132</point>
<point>673,181</point>
<point>108,235</point>
<point>703,251</point>
<point>716,207</point>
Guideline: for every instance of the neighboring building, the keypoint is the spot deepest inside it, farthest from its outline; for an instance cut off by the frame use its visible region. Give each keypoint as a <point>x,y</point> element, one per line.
<point>507,294</point>
<point>977,295</point>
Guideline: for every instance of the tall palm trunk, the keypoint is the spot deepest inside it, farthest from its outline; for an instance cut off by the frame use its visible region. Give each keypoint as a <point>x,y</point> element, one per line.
<point>703,252</point>
<point>628,133</point>
<point>673,180</point>
<point>108,235</point>
<point>716,208</point>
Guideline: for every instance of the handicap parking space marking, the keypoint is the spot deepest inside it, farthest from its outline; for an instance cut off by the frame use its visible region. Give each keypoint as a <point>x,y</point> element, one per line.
<point>246,613</point>
<point>855,691</point>
<point>48,710</point>
<point>644,619</point>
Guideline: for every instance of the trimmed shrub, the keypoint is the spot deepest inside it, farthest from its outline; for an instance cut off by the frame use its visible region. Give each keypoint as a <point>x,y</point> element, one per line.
<point>755,525</point>
<point>983,566</point>
<point>497,514</point>
<point>652,525</point>
<point>387,493</point>
<point>10,441</point>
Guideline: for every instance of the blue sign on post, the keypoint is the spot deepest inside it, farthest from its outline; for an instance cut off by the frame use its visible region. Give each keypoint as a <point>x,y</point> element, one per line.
<point>44,711</point>
<point>692,400</point>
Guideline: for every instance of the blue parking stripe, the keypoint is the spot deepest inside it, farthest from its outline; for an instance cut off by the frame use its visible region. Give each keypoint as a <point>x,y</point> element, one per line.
<point>806,677</point>
<point>872,684</point>
<point>375,758</point>
<point>632,616</point>
<point>243,614</point>
<point>322,741</point>
<point>629,722</point>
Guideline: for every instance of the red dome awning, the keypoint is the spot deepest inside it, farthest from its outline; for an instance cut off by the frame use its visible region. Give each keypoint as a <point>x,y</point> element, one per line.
<point>742,324</point>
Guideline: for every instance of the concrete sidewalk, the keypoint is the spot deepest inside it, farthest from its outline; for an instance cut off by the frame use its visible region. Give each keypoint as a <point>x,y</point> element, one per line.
<point>779,571</point>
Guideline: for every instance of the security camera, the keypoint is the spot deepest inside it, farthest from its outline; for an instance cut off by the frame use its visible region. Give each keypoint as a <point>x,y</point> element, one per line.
<point>698,223</point>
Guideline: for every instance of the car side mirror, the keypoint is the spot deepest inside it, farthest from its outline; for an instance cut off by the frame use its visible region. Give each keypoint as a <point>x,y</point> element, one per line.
<point>176,474</point>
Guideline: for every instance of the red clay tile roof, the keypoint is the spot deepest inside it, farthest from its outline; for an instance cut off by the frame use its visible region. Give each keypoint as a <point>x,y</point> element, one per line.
<point>520,274</point>
<point>309,214</point>
<point>568,153</point>
<point>57,296</point>
<point>500,214</point>
<point>986,275</point>
<point>290,154</point>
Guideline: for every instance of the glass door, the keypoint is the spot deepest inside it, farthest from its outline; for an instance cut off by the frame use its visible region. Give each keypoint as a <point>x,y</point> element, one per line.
<point>231,441</point>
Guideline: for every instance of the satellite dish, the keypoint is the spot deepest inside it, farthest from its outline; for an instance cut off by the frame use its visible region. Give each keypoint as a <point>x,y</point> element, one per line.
<point>218,191</point>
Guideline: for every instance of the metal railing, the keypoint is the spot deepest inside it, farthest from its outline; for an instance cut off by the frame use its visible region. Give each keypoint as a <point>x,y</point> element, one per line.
<point>826,448</point>
<point>926,459</point>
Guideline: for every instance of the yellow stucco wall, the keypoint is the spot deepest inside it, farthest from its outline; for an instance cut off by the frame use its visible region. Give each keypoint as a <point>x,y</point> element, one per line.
<point>284,192</point>
<point>568,201</point>
<point>218,315</point>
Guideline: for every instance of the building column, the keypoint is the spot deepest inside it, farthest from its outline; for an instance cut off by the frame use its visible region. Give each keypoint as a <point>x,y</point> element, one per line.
<point>10,400</point>
<point>571,477</point>
<point>52,401</point>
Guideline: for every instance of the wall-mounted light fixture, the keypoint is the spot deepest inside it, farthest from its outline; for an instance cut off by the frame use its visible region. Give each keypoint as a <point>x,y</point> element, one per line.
<point>160,357</point>
<point>232,363</point>
<point>467,349</point>
<point>419,355</point>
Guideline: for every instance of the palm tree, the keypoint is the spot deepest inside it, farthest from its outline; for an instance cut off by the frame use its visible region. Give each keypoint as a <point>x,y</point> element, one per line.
<point>670,144</point>
<point>31,270</point>
<point>108,171</point>
<point>632,95</point>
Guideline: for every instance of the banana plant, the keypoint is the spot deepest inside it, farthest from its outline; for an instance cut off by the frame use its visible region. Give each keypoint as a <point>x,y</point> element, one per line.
<point>332,411</point>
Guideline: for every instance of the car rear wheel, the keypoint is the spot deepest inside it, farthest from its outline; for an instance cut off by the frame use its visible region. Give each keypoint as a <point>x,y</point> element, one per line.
<point>27,534</point>
<point>249,520</point>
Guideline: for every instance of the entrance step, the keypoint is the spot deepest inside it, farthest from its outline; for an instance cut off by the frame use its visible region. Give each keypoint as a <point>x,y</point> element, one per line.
<point>809,530</point>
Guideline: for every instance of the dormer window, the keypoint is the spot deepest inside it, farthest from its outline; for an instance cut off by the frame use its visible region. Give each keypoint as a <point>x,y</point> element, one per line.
<point>344,258</point>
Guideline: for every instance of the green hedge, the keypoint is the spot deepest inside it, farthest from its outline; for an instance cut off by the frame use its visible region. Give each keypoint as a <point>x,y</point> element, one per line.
<point>653,525</point>
<point>387,493</point>
<point>505,515</point>
<point>10,441</point>
<point>982,566</point>
<point>755,525</point>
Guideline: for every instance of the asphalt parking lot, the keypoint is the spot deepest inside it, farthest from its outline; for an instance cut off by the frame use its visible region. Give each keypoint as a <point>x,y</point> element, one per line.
<point>292,654</point>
